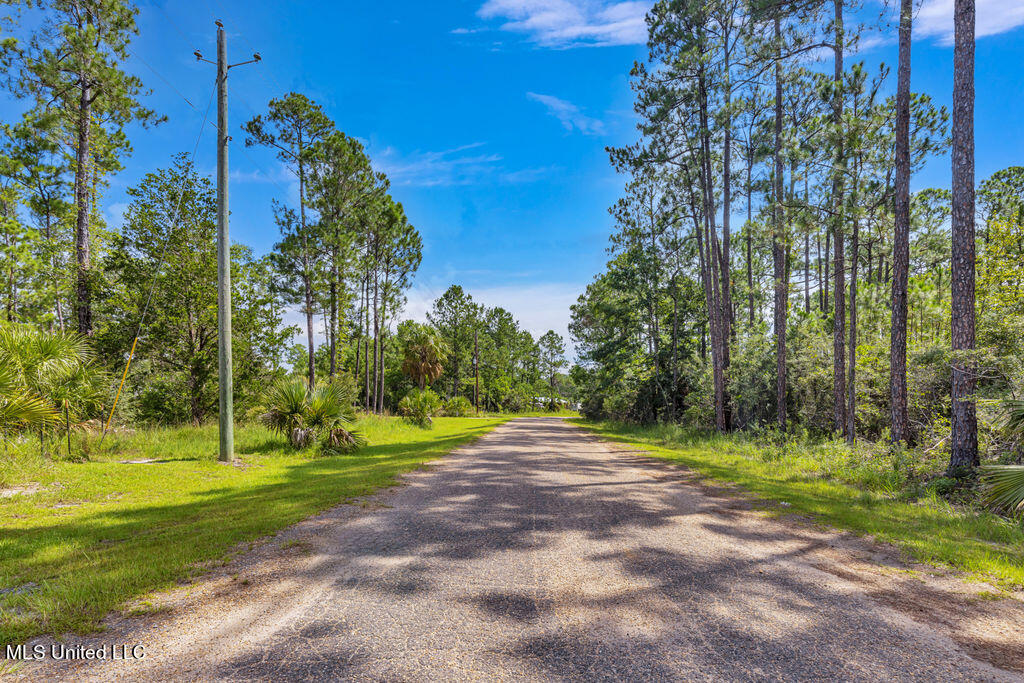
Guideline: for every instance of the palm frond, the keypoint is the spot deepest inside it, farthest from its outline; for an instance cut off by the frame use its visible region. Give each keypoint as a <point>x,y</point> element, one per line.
<point>1004,486</point>
<point>22,410</point>
<point>1014,415</point>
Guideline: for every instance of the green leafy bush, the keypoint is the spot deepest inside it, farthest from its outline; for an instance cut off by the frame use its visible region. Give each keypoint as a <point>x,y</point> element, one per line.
<point>325,413</point>
<point>419,407</point>
<point>48,380</point>
<point>460,406</point>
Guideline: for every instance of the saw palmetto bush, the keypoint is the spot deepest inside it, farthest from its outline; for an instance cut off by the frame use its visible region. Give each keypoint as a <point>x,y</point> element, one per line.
<point>303,416</point>
<point>47,380</point>
<point>21,409</point>
<point>459,406</point>
<point>420,406</point>
<point>330,414</point>
<point>1004,484</point>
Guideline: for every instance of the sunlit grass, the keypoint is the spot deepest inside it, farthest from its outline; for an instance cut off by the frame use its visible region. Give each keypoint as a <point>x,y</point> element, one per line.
<point>85,538</point>
<point>864,495</point>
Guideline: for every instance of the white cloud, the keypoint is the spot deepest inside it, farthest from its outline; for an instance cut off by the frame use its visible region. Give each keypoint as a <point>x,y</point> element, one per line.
<point>429,169</point>
<point>458,166</point>
<point>569,114</point>
<point>935,18</point>
<point>567,23</point>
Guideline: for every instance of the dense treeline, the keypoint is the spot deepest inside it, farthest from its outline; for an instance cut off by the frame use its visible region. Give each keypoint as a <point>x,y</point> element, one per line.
<point>840,304</point>
<point>346,258</point>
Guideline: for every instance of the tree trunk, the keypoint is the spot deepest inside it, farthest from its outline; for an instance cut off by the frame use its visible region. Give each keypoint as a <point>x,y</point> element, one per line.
<point>383,326</point>
<point>713,259</point>
<point>964,437</point>
<point>778,244</point>
<point>83,291</point>
<point>308,287</point>
<point>725,305</point>
<point>807,252</point>
<point>750,227</point>
<point>366,348</point>
<point>901,235</point>
<point>376,336</point>
<point>839,320</point>
<point>359,336</point>
<point>851,430</point>
<point>817,263</point>
<point>828,271</point>
<point>333,331</point>
<point>675,342</point>
<point>307,277</point>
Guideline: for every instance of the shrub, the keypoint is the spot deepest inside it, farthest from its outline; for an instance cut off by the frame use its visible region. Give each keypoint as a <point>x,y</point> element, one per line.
<point>419,406</point>
<point>326,412</point>
<point>48,380</point>
<point>460,406</point>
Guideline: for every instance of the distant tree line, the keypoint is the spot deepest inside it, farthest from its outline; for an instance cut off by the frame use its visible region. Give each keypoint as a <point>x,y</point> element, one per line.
<point>841,304</point>
<point>346,257</point>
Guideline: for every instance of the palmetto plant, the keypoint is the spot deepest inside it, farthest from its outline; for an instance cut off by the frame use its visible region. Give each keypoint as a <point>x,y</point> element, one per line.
<point>286,407</point>
<point>303,415</point>
<point>423,357</point>
<point>330,414</point>
<point>419,406</point>
<point>19,408</point>
<point>44,375</point>
<point>1004,484</point>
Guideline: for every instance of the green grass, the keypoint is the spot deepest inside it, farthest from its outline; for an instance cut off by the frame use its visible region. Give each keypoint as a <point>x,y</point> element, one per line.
<point>562,412</point>
<point>95,535</point>
<point>864,493</point>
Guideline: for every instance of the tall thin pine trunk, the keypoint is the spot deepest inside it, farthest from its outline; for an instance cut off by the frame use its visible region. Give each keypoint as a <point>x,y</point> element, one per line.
<point>901,234</point>
<point>750,224</point>
<point>838,243</point>
<point>376,335</point>
<point>851,430</point>
<point>778,243</point>
<point>725,304</point>
<point>83,287</point>
<point>964,438</point>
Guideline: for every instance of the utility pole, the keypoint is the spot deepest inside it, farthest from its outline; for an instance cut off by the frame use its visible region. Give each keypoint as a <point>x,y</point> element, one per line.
<point>226,413</point>
<point>476,369</point>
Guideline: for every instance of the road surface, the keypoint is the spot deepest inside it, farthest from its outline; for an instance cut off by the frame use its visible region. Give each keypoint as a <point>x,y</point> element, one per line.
<point>540,552</point>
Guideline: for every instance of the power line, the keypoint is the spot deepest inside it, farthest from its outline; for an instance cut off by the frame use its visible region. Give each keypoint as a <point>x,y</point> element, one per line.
<point>159,266</point>
<point>173,23</point>
<point>161,77</point>
<point>275,85</point>
<point>235,96</point>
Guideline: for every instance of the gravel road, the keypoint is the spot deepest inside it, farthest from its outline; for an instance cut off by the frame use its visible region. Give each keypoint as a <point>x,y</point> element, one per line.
<point>540,552</point>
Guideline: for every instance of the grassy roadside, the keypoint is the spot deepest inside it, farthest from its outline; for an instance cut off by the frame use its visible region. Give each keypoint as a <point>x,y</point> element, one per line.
<point>81,539</point>
<point>928,528</point>
<point>564,412</point>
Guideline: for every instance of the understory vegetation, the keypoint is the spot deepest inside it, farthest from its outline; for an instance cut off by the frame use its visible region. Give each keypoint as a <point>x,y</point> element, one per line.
<point>892,495</point>
<point>154,507</point>
<point>773,276</point>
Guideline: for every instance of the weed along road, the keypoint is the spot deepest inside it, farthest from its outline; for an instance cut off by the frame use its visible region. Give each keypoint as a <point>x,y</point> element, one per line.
<point>540,552</point>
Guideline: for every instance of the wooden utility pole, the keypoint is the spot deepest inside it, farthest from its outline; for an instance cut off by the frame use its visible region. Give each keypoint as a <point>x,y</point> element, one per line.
<point>226,413</point>
<point>476,370</point>
<point>227,401</point>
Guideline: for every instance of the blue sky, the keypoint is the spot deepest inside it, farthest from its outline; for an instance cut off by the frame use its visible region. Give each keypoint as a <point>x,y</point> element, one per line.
<point>490,116</point>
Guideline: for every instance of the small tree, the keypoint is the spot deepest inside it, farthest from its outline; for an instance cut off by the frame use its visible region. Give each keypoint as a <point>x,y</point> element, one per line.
<point>552,356</point>
<point>71,65</point>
